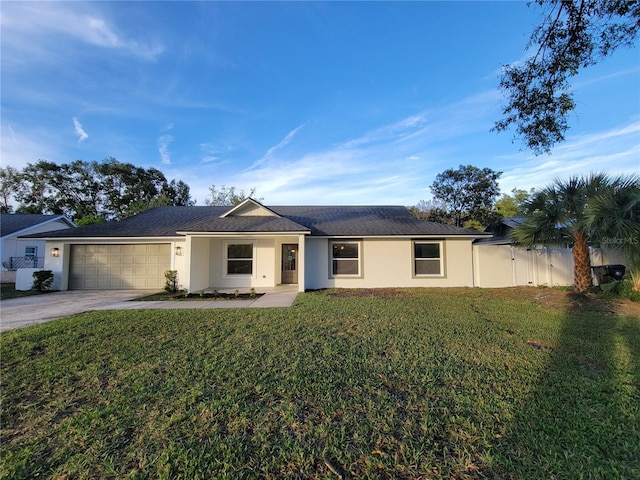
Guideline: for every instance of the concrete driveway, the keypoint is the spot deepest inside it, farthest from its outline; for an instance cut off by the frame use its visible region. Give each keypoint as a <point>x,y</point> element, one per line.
<point>25,311</point>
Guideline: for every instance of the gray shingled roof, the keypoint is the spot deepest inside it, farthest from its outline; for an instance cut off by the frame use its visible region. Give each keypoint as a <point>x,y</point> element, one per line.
<point>320,221</point>
<point>17,222</point>
<point>365,221</point>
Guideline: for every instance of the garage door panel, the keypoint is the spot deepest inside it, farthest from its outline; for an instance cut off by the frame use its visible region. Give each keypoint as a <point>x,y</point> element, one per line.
<point>103,271</point>
<point>119,266</point>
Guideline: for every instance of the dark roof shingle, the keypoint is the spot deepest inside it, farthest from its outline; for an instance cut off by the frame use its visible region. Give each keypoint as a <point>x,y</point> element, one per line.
<point>16,222</point>
<point>318,220</point>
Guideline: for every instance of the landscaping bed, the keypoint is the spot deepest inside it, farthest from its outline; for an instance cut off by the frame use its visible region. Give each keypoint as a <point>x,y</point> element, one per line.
<point>209,296</point>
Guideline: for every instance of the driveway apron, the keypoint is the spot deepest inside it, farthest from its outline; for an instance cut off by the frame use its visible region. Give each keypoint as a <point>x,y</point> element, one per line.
<point>25,311</point>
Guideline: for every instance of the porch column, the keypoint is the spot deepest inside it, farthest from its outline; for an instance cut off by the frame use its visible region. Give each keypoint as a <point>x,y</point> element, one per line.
<point>185,281</point>
<point>301,262</point>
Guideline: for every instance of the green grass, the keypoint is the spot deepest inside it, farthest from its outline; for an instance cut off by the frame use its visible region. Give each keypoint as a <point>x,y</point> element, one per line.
<point>431,383</point>
<point>8,290</point>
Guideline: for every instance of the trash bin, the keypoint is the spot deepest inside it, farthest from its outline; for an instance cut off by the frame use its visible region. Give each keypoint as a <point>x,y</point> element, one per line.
<point>608,273</point>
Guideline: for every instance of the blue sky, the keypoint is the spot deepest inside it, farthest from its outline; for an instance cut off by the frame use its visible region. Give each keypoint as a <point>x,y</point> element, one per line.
<point>310,103</point>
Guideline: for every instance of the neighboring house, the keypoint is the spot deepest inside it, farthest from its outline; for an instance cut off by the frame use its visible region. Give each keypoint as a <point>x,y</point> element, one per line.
<point>499,263</point>
<point>22,252</point>
<point>251,245</point>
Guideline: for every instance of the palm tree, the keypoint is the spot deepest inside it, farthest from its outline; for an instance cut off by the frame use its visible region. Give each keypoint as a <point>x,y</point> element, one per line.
<point>614,216</point>
<point>560,214</point>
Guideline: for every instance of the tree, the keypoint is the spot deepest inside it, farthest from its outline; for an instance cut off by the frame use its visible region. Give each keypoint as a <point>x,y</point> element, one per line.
<point>128,190</point>
<point>572,35</point>
<point>79,191</point>
<point>46,187</point>
<point>614,217</point>
<point>35,190</point>
<point>228,196</point>
<point>92,190</point>
<point>559,214</point>
<point>177,194</point>
<point>431,211</point>
<point>509,206</point>
<point>8,186</point>
<point>90,220</point>
<point>467,193</point>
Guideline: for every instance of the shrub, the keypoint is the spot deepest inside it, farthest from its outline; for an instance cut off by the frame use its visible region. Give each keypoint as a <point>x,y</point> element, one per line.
<point>171,281</point>
<point>621,289</point>
<point>42,280</point>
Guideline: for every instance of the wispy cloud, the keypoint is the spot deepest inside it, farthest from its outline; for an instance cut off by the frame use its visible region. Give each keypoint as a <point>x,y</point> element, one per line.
<point>163,148</point>
<point>285,141</point>
<point>211,153</point>
<point>82,135</point>
<point>163,144</point>
<point>345,172</point>
<point>396,163</point>
<point>616,151</point>
<point>279,146</point>
<point>13,134</point>
<point>31,30</point>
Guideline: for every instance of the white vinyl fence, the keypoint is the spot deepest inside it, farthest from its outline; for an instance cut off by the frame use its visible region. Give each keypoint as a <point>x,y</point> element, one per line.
<point>509,266</point>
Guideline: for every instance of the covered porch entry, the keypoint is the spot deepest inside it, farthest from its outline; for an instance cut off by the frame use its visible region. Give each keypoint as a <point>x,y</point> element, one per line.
<point>243,261</point>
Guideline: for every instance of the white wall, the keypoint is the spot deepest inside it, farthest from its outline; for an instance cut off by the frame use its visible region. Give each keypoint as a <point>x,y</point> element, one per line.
<point>266,268</point>
<point>388,262</point>
<point>206,262</point>
<point>199,251</point>
<point>15,247</point>
<point>24,278</point>
<point>58,265</point>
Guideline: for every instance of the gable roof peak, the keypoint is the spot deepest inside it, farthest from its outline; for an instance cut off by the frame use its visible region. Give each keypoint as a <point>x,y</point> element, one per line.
<point>249,208</point>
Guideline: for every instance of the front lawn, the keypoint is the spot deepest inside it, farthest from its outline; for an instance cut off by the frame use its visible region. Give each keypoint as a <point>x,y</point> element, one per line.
<point>524,383</point>
<point>8,290</point>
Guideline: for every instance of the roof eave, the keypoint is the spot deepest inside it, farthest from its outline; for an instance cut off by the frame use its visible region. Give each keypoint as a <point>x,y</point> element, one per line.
<point>404,235</point>
<point>120,238</point>
<point>226,234</point>
<point>18,233</point>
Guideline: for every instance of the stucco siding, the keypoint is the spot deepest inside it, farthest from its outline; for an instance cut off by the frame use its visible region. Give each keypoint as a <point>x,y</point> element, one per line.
<point>263,269</point>
<point>388,262</point>
<point>199,264</point>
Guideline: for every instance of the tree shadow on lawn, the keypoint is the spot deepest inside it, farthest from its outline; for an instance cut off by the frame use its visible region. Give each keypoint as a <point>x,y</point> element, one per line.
<point>582,419</point>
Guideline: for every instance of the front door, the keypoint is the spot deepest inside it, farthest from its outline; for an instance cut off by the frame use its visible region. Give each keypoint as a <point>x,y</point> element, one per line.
<point>290,263</point>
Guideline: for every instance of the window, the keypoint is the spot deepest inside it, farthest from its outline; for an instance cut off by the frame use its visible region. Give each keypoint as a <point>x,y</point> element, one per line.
<point>31,251</point>
<point>345,258</point>
<point>239,259</point>
<point>427,258</point>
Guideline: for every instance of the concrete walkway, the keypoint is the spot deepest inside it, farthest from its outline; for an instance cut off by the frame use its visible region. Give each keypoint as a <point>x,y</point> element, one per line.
<point>25,311</point>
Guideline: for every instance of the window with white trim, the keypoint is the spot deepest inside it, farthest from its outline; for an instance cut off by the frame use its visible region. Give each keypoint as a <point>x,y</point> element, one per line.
<point>427,259</point>
<point>345,258</point>
<point>239,259</point>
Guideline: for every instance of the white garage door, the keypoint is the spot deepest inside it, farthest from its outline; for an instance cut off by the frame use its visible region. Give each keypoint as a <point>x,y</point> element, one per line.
<point>119,266</point>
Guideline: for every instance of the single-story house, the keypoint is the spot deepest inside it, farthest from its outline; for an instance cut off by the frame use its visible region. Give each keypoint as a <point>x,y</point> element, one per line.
<point>253,246</point>
<point>25,252</point>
